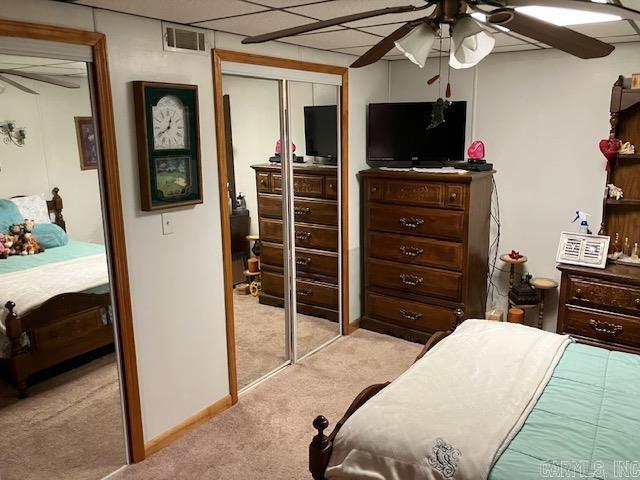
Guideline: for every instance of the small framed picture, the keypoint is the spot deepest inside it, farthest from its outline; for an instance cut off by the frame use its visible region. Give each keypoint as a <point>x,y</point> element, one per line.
<point>87,147</point>
<point>635,81</point>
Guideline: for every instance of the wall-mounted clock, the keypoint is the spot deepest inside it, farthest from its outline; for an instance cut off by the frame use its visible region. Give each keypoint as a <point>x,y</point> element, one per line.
<point>168,136</point>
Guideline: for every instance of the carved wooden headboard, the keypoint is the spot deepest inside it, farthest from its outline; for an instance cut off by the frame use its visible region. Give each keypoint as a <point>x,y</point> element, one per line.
<point>55,207</point>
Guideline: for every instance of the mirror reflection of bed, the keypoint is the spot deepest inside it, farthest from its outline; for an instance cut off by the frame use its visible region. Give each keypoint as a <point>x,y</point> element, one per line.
<point>254,180</point>
<point>60,410</point>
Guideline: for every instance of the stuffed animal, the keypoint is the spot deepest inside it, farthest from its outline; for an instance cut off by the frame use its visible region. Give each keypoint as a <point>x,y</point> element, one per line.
<point>4,251</point>
<point>21,239</point>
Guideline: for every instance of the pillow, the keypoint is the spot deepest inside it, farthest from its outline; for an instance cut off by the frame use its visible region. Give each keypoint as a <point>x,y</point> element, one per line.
<point>33,207</point>
<point>50,235</point>
<point>9,214</point>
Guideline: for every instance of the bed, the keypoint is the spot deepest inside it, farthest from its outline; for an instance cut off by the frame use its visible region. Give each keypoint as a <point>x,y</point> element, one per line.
<point>56,305</point>
<point>580,421</point>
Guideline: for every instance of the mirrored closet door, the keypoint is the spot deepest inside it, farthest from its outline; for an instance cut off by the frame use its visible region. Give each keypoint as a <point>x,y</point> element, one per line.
<point>283,182</point>
<point>61,414</point>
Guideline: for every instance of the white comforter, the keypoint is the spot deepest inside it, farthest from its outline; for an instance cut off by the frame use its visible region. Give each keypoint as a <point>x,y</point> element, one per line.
<point>452,413</point>
<point>32,287</point>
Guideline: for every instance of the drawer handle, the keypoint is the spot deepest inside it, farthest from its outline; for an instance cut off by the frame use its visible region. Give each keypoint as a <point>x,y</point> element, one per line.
<point>637,302</point>
<point>303,261</point>
<point>579,293</point>
<point>303,235</point>
<point>411,222</point>
<point>305,293</point>
<point>411,251</point>
<point>453,196</point>
<point>411,280</point>
<point>263,182</point>
<point>605,327</point>
<point>410,315</point>
<point>302,211</point>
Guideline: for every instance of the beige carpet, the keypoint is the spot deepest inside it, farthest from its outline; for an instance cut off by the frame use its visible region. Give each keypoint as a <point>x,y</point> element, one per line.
<point>260,337</point>
<point>70,426</point>
<point>266,435</point>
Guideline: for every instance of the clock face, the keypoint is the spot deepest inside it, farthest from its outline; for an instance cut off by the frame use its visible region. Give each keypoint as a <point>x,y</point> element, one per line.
<point>169,124</point>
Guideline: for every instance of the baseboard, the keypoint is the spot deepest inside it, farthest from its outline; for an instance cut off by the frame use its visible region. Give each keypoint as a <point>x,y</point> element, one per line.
<point>354,325</point>
<point>167,438</point>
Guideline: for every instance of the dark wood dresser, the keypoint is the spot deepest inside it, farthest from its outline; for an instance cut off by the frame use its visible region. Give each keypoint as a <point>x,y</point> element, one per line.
<point>426,243</point>
<point>601,307</point>
<point>316,234</point>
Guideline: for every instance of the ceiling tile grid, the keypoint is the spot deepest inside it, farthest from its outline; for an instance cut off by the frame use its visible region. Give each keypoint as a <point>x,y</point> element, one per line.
<point>253,17</point>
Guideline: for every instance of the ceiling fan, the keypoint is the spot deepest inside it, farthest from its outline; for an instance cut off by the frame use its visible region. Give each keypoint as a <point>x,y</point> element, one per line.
<point>468,21</point>
<point>32,76</point>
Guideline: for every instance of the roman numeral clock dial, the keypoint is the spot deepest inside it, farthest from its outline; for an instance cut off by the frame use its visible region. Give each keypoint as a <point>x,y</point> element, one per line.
<point>169,124</point>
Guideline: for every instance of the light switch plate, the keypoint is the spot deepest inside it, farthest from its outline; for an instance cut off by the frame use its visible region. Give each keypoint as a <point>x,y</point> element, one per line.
<point>167,223</point>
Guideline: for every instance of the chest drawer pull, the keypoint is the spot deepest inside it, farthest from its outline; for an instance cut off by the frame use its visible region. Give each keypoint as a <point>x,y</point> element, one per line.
<point>411,222</point>
<point>410,315</point>
<point>303,261</point>
<point>636,302</point>
<point>305,293</point>
<point>605,327</point>
<point>303,235</point>
<point>411,251</point>
<point>302,211</point>
<point>453,196</point>
<point>579,293</point>
<point>411,280</point>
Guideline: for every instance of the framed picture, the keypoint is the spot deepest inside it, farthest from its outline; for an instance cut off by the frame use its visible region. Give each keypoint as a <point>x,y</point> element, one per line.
<point>635,81</point>
<point>167,130</point>
<point>87,143</point>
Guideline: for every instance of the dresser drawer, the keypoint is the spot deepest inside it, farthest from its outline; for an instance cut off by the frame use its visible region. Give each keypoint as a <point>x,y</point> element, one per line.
<point>303,185</point>
<point>416,250</point>
<point>306,210</point>
<point>455,196</point>
<point>598,293</point>
<point>430,222</point>
<point>415,193</point>
<point>307,236</point>
<point>309,292</point>
<point>415,279</point>
<point>331,187</point>
<point>605,326</point>
<point>263,182</point>
<point>308,261</point>
<point>409,314</point>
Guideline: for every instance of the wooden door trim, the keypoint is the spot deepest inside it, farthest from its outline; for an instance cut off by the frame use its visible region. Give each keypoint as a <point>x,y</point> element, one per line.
<point>113,208</point>
<point>217,57</point>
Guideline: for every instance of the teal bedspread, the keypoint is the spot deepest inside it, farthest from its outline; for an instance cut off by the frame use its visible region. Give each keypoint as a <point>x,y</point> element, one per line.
<point>70,251</point>
<point>586,424</point>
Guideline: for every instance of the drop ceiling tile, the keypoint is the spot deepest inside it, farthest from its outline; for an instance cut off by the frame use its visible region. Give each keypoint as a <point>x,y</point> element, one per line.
<point>184,11</point>
<point>502,39</point>
<point>635,4</point>
<point>383,30</point>
<point>515,48</point>
<point>605,29</point>
<point>256,23</point>
<point>621,39</point>
<point>394,52</point>
<point>333,40</point>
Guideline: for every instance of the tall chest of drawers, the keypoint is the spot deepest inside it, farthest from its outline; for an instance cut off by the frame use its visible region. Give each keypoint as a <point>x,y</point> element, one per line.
<point>601,307</point>
<point>316,236</point>
<point>426,246</point>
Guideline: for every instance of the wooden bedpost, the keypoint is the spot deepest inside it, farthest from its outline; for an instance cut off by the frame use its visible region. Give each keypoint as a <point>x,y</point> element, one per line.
<point>14,333</point>
<point>57,208</point>
<point>320,449</point>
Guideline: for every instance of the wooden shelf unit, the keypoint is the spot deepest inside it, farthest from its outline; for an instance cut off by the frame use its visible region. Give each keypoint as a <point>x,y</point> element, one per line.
<point>623,216</point>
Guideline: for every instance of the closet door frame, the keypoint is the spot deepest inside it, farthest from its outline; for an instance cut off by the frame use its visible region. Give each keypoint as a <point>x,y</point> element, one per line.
<point>218,56</point>
<point>104,119</point>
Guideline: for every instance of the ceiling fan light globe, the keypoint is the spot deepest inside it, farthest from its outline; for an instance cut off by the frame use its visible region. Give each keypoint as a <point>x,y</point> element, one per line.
<point>417,44</point>
<point>470,43</point>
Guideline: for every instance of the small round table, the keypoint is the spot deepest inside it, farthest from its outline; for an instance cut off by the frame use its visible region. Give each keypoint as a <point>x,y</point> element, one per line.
<point>542,285</point>
<point>512,266</point>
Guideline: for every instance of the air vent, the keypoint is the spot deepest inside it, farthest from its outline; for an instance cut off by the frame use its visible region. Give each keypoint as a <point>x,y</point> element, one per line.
<point>178,38</point>
<point>583,249</point>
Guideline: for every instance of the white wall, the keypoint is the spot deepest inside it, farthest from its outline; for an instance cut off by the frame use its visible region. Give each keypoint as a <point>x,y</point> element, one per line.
<point>177,297</point>
<point>50,156</point>
<point>541,115</point>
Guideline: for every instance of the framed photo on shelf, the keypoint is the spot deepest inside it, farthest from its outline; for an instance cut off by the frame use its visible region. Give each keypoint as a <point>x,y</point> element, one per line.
<point>87,147</point>
<point>635,81</point>
<point>167,130</point>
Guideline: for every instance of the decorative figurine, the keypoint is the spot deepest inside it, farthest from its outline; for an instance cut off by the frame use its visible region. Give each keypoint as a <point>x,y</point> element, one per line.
<point>610,148</point>
<point>615,192</point>
<point>476,150</point>
<point>627,148</point>
<point>514,255</point>
<point>437,114</point>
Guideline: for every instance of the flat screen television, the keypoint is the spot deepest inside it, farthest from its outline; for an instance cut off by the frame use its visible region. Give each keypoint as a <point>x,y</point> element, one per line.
<point>321,132</point>
<point>397,134</point>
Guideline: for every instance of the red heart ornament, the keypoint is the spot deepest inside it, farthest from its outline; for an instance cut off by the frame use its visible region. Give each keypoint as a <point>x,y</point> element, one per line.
<point>476,150</point>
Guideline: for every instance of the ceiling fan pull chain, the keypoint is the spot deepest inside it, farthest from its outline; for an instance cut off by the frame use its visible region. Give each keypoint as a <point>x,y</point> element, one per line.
<point>448,93</point>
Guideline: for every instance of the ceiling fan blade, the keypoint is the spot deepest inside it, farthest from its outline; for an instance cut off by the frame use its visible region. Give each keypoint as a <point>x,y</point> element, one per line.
<point>380,49</point>
<point>561,38</point>
<point>587,5</point>
<point>41,78</point>
<point>17,85</point>
<point>310,27</point>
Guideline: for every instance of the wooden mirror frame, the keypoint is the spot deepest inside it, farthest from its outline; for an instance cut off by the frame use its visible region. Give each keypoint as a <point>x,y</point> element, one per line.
<point>218,56</point>
<point>113,210</point>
